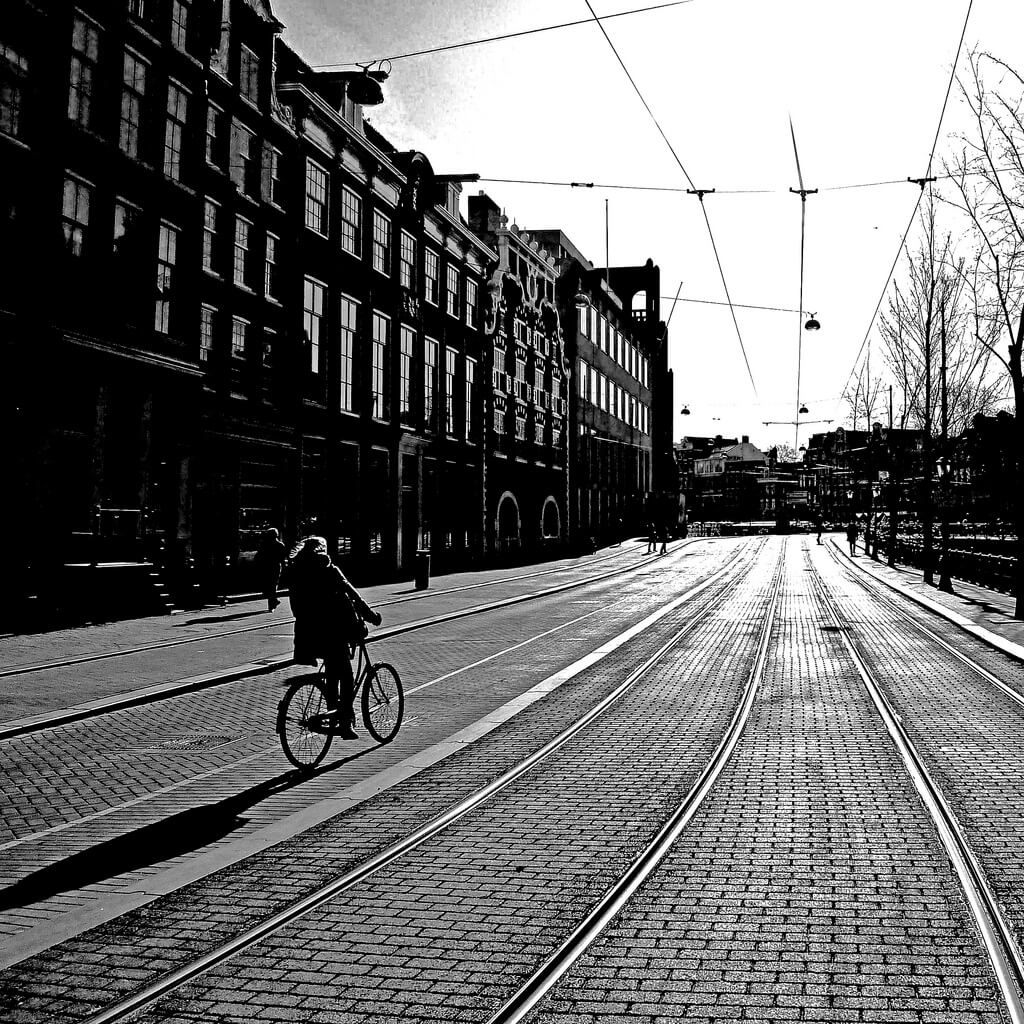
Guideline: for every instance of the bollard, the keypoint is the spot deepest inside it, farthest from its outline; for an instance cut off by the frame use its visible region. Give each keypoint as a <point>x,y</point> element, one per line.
<point>422,569</point>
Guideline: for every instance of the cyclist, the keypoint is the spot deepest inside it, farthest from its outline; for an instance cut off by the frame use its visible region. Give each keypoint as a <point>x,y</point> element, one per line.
<point>329,615</point>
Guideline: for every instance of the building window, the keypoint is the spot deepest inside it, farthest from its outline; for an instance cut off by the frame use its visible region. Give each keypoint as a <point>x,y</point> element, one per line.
<point>276,185</point>
<point>177,114</point>
<point>452,291</point>
<point>499,421</point>
<point>470,388</point>
<point>405,374</point>
<point>206,318</point>
<point>430,276</point>
<point>312,321</point>
<point>472,300</point>
<point>381,243</point>
<point>179,24</point>
<point>77,197</point>
<point>316,198</point>
<point>349,310</point>
<point>166,258</point>
<point>85,44</point>
<point>244,166</point>
<point>126,231</point>
<point>133,96</point>
<point>211,216</point>
<point>141,9</point>
<point>351,222</point>
<point>214,135</point>
<point>239,333</point>
<point>538,431</point>
<point>243,229</point>
<point>430,350</point>
<point>270,267</point>
<point>450,355</point>
<point>249,75</point>
<point>379,366</point>
<point>520,425</point>
<point>269,344</point>
<point>13,72</point>
<point>407,261</point>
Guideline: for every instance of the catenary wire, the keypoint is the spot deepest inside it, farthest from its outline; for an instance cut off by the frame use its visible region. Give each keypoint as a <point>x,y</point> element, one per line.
<point>700,195</point>
<point>917,204</point>
<point>495,39</point>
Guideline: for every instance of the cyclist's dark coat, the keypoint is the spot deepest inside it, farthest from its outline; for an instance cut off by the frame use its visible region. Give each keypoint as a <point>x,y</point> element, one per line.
<point>328,610</point>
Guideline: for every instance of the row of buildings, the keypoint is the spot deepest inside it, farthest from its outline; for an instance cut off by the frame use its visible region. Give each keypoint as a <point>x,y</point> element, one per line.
<point>227,303</point>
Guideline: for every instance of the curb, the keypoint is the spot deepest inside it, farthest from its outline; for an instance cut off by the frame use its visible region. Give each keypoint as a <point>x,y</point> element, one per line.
<point>969,626</point>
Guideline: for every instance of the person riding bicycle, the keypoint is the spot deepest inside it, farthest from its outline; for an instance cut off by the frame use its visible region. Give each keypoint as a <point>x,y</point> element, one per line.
<point>329,616</point>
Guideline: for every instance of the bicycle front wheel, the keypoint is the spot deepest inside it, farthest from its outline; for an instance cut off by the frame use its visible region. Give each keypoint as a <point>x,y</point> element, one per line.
<point>383,702</point>
<point>300,723</point>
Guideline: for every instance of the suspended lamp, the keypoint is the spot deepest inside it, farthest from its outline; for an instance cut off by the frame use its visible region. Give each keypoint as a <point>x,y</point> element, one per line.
<point>686,410</point>
<point>803,410</point>
<point>812,324</point>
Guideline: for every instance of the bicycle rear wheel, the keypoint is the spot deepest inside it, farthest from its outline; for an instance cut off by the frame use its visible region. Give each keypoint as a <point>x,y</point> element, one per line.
<point>304,738</point>
<point>383,702</point>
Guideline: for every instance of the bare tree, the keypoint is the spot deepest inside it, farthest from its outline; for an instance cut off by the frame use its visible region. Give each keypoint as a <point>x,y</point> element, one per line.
<point>864,398</point>
<point>988,176</point>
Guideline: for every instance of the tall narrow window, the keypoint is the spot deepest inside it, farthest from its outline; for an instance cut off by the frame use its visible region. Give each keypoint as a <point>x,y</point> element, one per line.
<point>177,114</point>
<point>351,222</point>
<point>206,321</point>
<point>77,197</point>
<point>126,234</point>
<point>312,321</point>
<point>133,96</point>
<point>13,87</point>
<point>243,229</point>
<point>179,24</point>
<point>381,243</point>
<point>214,135</point>
<point>379,366</point>
<point>430,350</point>
<point>407,261</point>
<point>270,267</point>
<point>85,44</point>
<point>243,168</point>
<point>450,357</point>
<point>430,272</point>
<point>349,311</point>
<point>166,258</point>
<point>239,337</point>
<point>472,302</point>
<point>316,198</point>
<point>470,392</point>
<point>211,217</point>
<point>249,75</point>
<point>276,195</point>
<point>408,340</point>
<point>452,291</point>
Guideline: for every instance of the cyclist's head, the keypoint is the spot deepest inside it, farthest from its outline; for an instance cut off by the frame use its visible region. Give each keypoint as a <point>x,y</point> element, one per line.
<point>315,549</point>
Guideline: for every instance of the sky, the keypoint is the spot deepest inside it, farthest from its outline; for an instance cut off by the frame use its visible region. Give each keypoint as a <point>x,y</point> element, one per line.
<point>862,83</point>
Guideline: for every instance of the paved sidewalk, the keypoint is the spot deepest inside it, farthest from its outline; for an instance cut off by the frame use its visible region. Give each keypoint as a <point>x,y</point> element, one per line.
<point>970,605</point>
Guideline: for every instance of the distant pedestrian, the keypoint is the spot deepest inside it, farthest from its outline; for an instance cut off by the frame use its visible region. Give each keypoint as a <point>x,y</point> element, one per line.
<point>270,558</point>
<point>663,534</point>
<point>851,536</point>
<point>818,525</point>
<point>652,537</point>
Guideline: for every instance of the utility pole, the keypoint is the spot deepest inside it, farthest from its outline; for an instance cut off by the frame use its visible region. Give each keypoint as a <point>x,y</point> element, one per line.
<point>945,583</point>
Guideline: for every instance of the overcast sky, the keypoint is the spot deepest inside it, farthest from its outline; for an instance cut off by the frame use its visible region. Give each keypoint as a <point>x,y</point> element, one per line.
<point>863,84</point>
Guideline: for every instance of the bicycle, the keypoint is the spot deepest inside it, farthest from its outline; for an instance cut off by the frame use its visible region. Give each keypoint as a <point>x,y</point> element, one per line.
<point>307,727</point>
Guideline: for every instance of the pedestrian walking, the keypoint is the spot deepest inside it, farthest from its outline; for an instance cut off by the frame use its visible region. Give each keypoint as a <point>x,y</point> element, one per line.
<point>329,616</point>
<point>271,556</point>
<point>851,536</point>
<point>652,537</point>
<point>818,525</point>
<point>663,534</point>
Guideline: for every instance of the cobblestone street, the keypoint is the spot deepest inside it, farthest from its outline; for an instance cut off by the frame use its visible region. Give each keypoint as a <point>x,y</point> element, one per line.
<point>627,787</point>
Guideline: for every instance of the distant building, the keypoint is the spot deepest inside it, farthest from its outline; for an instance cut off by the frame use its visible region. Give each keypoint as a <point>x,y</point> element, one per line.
<point>727,482</point>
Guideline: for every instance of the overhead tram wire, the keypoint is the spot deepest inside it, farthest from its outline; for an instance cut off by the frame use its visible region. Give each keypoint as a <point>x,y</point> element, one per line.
<point>693,188</point>
<point>917,205</point>
<point>495,39</point>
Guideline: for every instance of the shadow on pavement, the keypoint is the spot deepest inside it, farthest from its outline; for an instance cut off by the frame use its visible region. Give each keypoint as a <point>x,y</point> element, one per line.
<point>176,836</point>
<point>224,618</point>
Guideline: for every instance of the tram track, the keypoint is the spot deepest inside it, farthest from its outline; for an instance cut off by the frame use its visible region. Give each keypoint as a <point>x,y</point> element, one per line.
<point>192,684</point>
<point>995,931</point>
<point>710,592</point>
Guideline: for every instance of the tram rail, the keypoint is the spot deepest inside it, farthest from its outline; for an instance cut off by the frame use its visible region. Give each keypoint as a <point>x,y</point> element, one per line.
<point>996,934</point>
<point>718,584</point>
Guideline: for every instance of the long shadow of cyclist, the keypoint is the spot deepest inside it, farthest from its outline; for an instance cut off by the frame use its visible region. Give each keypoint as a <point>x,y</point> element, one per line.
<point>157,842</point>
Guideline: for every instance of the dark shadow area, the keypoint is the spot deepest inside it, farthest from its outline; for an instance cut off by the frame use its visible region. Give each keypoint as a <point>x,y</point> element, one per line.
<point>180,834</point>
<point>224,618</point>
